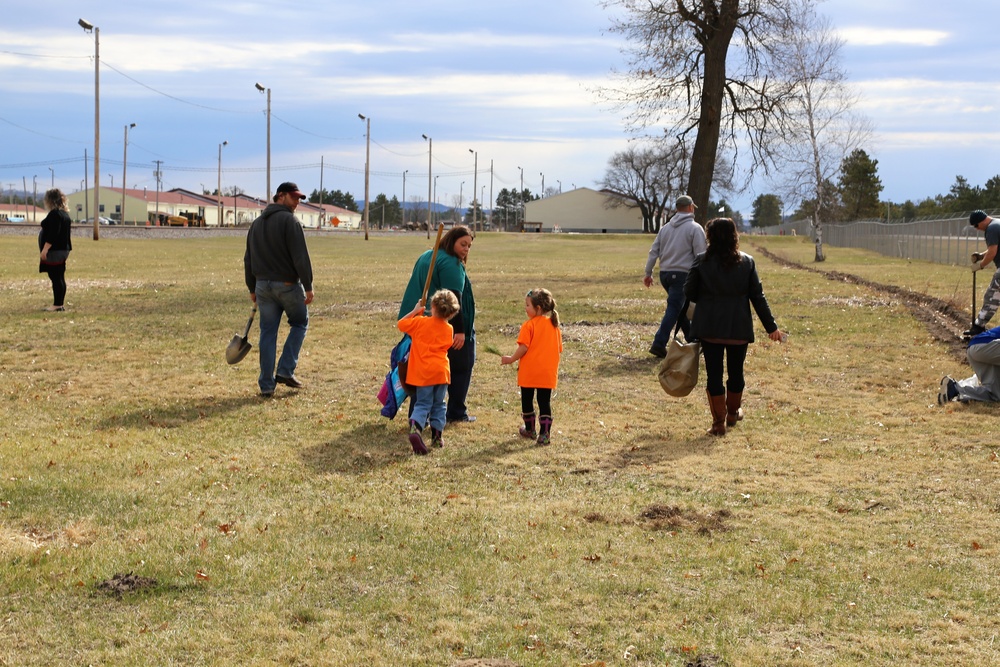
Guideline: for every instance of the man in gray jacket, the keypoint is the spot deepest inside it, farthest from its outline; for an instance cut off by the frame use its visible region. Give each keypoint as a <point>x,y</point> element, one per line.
<point>677,244</point>
<point>279,275</point>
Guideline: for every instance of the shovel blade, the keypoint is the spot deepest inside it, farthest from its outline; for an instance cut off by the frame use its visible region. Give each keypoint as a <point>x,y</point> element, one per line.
<point>238,348</point>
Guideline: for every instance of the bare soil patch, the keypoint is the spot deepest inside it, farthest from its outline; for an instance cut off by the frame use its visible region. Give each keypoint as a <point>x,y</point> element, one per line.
<point>120,584</point>
<point>943,321</point>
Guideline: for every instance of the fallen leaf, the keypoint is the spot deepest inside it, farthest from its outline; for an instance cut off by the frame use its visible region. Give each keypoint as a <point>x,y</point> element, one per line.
<point>200,575</point>
<point>976,546</point>
<point>225,528</point>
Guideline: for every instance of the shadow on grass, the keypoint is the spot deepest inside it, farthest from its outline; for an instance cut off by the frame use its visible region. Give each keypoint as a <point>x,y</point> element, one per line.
<point>651,449</point>
<point>176,415</point>
<point>624,365</point>
<point>498,451</point>
<point>366,448</point>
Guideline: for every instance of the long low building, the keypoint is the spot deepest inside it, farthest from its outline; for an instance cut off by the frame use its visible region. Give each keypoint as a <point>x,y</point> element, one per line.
<point>144,207</point>
<point>584,211</point>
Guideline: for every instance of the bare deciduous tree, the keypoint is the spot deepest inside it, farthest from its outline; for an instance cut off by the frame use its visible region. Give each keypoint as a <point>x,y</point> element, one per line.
<point>649,177</point>
<point>821,127</point>
<point>706,68</point>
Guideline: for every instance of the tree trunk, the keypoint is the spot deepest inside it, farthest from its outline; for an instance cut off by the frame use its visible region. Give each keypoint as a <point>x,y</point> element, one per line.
<point>818,229</point>
<point>715,41</point>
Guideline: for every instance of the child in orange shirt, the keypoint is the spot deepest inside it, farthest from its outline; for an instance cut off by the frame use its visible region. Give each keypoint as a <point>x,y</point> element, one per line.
<point>539,345</point>
<point>429,370</point>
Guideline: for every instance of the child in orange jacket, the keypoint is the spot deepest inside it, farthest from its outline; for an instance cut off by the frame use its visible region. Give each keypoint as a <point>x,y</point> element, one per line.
<point>539,345</point>
<point>428,369</point>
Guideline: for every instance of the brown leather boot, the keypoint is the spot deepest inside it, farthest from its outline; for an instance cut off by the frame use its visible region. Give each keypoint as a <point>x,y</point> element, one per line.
<point>717,404</point>
<point>734,413</point>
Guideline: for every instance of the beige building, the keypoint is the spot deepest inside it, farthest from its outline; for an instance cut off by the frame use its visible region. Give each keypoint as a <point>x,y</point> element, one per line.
<point>582,210</point>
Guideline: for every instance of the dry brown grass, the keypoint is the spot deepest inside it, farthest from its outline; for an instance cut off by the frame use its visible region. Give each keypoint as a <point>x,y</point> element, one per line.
<point>848,520</point>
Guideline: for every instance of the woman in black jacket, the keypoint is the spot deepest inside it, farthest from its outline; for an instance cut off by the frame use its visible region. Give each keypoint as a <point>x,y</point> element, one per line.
<point>723,283</point>
<point>54,245</point>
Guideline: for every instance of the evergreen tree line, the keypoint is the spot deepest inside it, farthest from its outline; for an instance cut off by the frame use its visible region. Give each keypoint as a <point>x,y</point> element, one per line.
<point>856,196</point>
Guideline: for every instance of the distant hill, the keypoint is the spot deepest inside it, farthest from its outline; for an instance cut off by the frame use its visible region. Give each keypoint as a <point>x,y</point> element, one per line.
<point>422,206</point>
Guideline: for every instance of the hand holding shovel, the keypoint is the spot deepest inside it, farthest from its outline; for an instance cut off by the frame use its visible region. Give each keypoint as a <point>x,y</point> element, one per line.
<point>239,346</point>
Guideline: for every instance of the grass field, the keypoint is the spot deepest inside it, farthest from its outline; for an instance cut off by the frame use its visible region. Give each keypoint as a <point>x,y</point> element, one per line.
<point>849,520</point>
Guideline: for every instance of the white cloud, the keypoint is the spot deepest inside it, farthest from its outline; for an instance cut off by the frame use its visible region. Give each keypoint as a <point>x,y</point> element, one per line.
<point>875,36</point>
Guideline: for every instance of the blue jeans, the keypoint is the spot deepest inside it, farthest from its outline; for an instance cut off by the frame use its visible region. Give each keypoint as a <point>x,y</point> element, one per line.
<point>274,298</point>
<point>461,362</point>
<point>673,282</point>
<point>429,406</point>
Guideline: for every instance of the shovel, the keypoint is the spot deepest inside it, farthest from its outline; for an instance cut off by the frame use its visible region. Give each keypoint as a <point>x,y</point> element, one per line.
<point>239,346</point>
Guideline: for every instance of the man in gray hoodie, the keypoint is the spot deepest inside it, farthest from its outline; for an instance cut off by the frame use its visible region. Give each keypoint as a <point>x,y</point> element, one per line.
<point>677,244</point>
<point>279,275</point>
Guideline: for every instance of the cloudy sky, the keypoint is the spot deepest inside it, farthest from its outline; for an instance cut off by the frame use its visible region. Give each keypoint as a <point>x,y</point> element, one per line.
<point>513,81</point>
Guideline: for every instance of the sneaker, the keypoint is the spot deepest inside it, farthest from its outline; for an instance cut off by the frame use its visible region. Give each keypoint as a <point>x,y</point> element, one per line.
<point>417,440</point>
<point>290,381</point>
<point>948,390</point>
<point>659,352</point>
<point>972,331</point>
<point>466,419</point>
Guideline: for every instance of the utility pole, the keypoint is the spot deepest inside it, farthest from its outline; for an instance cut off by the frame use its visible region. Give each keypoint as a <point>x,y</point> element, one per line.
<point>157,174</point>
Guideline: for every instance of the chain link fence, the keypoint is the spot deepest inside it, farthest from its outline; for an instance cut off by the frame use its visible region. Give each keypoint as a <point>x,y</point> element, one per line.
<point>950,241</point>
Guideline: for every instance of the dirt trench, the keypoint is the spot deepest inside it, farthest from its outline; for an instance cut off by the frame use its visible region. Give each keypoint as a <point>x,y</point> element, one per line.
<point>943,321</point>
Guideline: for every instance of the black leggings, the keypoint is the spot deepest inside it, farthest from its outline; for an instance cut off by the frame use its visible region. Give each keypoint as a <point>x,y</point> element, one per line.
<point>57,274</point>
<point>735,356</point>
<point>544,401</point>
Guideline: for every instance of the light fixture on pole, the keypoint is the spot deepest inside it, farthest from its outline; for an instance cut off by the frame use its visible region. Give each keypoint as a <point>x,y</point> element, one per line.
<point>218,188</point>
<point>125,171</point>
<point>475,183</point>
<point>262,89</point>
<point>90,27</point>
<point>430,157</point>
<point>368,147</point>
<point>53,172</point>
<point>542,193</point>
<point>560,185</point>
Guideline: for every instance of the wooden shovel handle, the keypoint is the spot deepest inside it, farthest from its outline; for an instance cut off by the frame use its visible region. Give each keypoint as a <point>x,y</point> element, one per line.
<point>430,271</point>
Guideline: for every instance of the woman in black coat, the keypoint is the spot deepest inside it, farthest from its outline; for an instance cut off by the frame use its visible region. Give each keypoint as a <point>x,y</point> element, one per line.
<point>723,283</point>
<point>54,246</point>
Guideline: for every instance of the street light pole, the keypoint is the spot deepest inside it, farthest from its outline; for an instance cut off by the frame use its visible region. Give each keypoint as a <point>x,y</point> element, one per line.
<point>34,199</point>
<point>475,183</point>
<point>90,27</point>
<point>430,156</point>
<point>125,170</point>
<point>268,90</point>
<point>404,197</point>
<point>560,185</point>
<point>435,191</point>
<point>368,152</point>
<point>53,172</point>
<point>218,188</point>
<point>542,193</point>
<point>520,198</point>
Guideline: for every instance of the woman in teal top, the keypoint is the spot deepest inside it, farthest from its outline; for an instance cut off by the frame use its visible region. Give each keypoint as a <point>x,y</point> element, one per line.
<point>450,274</point>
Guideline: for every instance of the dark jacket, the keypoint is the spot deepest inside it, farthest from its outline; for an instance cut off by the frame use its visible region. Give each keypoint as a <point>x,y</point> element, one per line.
<point>723,297</point>
<point>276,249</point>
<point>449,273</point>
<point>56,231</point>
